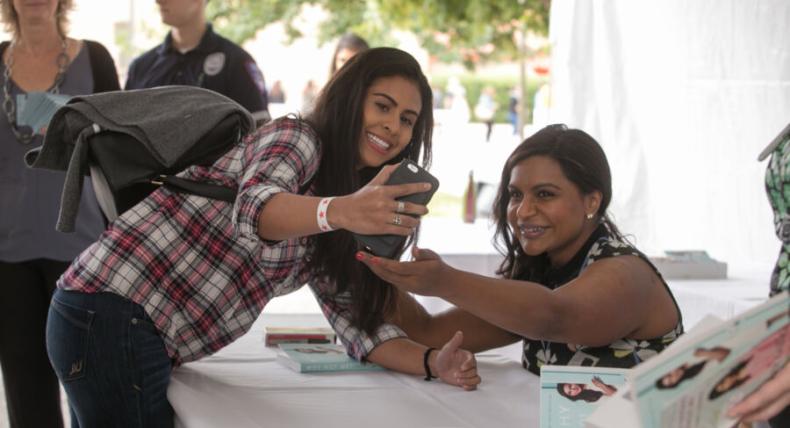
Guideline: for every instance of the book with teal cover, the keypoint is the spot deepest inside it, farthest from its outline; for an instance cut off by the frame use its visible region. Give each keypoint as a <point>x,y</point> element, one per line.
<point>568,394</point>
<point>693,382</point>
<point>311,358</point>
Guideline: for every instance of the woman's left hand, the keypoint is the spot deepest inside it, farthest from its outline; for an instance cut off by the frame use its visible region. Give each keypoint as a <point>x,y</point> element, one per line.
<point>767,401</point>
<point>424,275</point>
<point>457,366</point>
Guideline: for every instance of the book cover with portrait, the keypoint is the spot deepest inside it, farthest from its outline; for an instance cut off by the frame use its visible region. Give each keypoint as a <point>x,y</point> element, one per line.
<point>693,382</point>
<point>568,394</point>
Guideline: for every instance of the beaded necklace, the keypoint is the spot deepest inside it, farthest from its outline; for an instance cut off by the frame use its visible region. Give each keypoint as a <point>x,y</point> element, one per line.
<point>25,134</point>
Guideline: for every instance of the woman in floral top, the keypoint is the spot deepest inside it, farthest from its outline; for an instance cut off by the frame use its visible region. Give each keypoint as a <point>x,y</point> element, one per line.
<point>179,276</point>
<point>573,289</point>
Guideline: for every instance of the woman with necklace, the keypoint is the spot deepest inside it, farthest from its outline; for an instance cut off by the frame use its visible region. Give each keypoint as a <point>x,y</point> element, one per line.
<point>38,58</point>
<point>572,288</point>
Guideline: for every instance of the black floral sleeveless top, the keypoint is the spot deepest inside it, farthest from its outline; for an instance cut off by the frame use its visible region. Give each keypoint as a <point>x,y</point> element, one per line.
<point>623,353</point>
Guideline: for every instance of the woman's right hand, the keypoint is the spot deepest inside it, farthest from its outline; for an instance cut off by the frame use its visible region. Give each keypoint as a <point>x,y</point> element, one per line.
<point>373,210</point>
<point>425,275</point>
<point>457,366</point>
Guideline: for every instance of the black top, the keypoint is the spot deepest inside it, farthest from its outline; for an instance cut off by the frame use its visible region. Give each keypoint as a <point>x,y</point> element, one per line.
<point>216,64</point>
<point>622,353</point>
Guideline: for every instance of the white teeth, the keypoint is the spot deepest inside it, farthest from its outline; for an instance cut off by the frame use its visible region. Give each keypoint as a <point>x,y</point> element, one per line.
<point>532,229</point>
<point>378,141</point>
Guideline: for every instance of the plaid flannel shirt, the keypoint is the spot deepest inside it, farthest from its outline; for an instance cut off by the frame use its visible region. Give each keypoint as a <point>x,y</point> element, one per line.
<point>198,266</point>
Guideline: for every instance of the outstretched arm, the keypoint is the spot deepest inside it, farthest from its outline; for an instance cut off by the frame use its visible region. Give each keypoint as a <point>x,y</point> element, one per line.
<point>450,363</point>
<point>370,210</point>
<point>389,346</point>
<point>608,390</point>
<point>717,353</point>
<point>579,312</point>
<point>435,329</point>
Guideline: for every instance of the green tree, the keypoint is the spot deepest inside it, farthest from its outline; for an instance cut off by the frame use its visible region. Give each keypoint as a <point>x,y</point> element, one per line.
<point>452,30</point>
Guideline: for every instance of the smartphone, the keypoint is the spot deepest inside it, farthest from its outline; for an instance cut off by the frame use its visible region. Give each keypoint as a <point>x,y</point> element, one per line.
<point>407,172</point>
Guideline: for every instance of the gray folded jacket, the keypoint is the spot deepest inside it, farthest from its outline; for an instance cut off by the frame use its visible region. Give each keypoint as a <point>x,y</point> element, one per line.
<point>168,120</point>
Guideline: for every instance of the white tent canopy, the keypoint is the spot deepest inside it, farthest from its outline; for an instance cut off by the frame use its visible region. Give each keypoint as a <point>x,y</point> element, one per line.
<point>683,95</point>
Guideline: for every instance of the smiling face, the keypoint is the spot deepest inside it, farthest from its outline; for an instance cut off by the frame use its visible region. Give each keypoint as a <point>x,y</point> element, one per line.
<point>391,109</point>
<point>673,377</point>
<point>572,389</point>
<point>546,212</point>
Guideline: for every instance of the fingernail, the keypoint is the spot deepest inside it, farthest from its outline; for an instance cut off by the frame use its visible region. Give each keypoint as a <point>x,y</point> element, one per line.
<point>374,260</point>
<point>360,256</point>
<point>427,186</point>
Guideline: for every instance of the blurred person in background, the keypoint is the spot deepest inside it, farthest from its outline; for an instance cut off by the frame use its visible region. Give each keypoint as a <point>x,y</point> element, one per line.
<point>193,54</point>
<point>309,93</point>
<point>486,109</point>
<point>276,93</point>
<point>40,58</point>
<point>349,45</point>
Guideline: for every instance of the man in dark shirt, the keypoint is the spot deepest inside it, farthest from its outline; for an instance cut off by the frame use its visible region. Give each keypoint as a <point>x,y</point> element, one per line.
<point>192,54</point>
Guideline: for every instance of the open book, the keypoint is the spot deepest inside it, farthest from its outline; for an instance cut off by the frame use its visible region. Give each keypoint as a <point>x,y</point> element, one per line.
<point>696,380</point>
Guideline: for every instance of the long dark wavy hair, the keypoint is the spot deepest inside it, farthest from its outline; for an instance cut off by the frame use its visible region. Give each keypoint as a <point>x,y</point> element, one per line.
<point>582,161</point>
<point>588,395</point>
<point>735,371</point>
<point>337,119</point>
<point>689,372</point>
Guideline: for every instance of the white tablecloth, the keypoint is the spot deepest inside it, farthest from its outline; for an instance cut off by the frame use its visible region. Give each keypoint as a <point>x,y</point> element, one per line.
<point>243,386</point>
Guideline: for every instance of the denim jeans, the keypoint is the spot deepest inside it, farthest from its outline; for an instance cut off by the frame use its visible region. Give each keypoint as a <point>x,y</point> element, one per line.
<point>111,360</point>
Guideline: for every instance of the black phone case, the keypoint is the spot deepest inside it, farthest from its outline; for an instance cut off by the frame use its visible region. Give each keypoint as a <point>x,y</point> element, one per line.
<point>407,172</point>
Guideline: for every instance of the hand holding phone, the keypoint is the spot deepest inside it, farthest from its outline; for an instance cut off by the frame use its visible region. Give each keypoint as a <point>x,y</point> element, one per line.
<point>407,172</point>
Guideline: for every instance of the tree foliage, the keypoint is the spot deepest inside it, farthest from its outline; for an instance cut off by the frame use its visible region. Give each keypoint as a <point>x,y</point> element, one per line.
<point>469,31</point>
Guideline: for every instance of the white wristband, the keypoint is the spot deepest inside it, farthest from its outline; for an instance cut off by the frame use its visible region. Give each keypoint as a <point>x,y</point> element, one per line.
<point>320,215</point>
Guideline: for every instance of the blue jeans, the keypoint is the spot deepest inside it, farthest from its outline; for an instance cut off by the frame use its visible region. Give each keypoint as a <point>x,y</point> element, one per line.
<point>111,360</point>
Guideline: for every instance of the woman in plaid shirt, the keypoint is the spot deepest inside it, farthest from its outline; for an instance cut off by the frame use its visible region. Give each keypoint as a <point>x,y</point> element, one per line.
<point>178,277</point>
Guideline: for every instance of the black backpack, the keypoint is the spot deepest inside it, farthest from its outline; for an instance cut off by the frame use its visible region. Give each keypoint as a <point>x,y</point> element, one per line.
<point>132,142</point>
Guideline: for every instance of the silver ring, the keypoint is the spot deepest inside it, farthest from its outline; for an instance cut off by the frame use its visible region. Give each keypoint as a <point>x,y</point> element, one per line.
<point>401,207</point>
<point>396,221</point>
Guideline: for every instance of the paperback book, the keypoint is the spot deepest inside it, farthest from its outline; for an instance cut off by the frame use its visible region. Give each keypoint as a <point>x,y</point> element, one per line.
<point>310,358</point>
<point>568,394</point>
<point>274,336</point>
<point>695,381</point>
